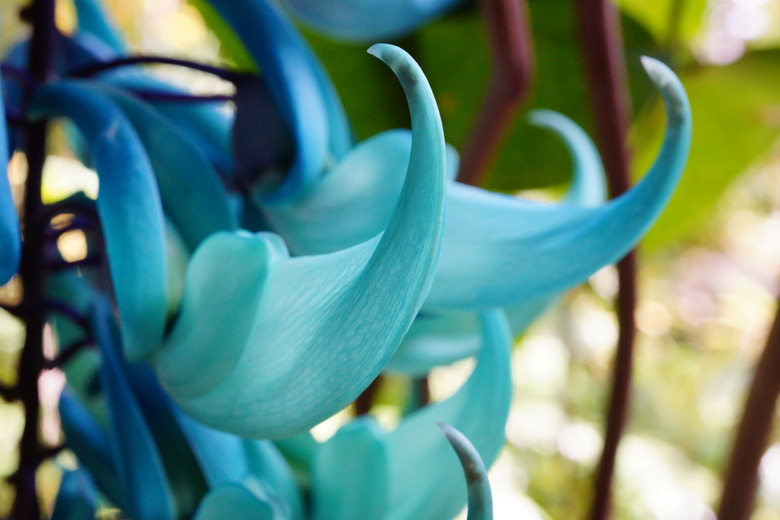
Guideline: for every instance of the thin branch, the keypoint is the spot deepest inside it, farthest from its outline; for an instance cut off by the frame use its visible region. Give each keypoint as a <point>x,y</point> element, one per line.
<point>741,482</point>
<point>511,77</point>
<point>26,506</point>
<point>159,96</point>
<point>67,311</point>
<point>92,70</point>
<point>600,37</point>
<point>67,353</point>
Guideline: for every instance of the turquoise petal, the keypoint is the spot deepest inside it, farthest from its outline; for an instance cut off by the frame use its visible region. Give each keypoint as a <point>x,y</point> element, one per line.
<point>480,497</point>
<point>368,20</point>
<point>129,208</point>
<point>247,501</point>
<point>87,439</point>
<point>267,345</point>
<point>441,338</point>
<point>547,248</point>
<point>300,88</point>
<point>225,459</point>
<point>354,200</point>
<point>207,125</point>
<point>424,479</point>
<point>77,497</point>
<point>93,21</point>
<point>192,195</point>
<point>268,464</point>
<point>145,485</point>
<point>358,489</point>
<point>10,239</point>
<point>436,340</point>
<point>352,203</point>
<point>588,186</point>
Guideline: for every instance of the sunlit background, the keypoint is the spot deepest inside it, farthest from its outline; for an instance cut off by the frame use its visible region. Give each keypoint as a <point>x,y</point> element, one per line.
<point>707,286</point>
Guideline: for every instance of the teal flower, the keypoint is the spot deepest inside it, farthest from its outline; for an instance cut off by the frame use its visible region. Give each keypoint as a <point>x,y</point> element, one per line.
<point>368,20</point>
<point>154,462</point>
<point>406,473</point>
<point>10,238</point>
<point>301,337</point>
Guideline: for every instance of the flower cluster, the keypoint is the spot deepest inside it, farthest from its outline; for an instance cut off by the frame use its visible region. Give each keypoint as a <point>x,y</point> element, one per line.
<point>262,269</point>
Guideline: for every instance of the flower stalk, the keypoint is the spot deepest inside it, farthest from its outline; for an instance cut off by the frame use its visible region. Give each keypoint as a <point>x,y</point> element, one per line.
<point>510,82</point>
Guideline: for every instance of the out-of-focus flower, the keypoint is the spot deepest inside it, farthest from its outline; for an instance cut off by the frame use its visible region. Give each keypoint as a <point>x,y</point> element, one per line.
<point>10,241</point>
<point>368,20</point>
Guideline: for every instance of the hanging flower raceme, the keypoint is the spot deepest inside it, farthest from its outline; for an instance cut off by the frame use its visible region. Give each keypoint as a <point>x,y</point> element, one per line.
<point>304,320</point>
<point>498,250</point>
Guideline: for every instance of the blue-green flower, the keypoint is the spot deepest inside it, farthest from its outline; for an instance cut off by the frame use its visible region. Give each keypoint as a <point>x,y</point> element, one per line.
<point>368,20</point>
<point>10,239</point>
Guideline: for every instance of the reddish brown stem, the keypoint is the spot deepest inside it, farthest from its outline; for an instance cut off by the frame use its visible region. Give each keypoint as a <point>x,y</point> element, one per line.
<point>741,482</point>
<point>511,77</point>
<point>599,28</point>
<point>41,61</point>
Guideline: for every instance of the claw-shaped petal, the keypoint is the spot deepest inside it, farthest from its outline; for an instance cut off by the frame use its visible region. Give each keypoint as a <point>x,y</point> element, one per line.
<point>192,195</point>
<point>145,485</point>
<point>301,89</point>
<point>489,234</point>
<point>423,479</point>
<point>368,20</point>
<point>129,207</point>
<point>300,338</point>
<point>480,497</point>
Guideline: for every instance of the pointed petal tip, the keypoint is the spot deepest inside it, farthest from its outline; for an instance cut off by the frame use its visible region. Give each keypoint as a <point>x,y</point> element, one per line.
<point>660,74</point>
<point>403,65</point>
<point>672,90</point>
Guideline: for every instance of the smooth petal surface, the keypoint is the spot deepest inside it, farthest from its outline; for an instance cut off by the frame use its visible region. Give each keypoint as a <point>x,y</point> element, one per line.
<point>358,489</point>
<point>480,497</point>
<point>77,497</point>
<point>192,195</point>
<point>129,207</point>
<point>278,344</point>
<point>226,459</point>
<point>302,91</point>
<point>90,443</point>
<point>354,201</point>
<point>144,483</point>
<point>10,237</point>
<point>94,21</point>
<point>501,251</point>
<point>246,501</point>
<point>206,125</point>
<point>424,479</point>
<point>547,248</point>
<point>368,20</point>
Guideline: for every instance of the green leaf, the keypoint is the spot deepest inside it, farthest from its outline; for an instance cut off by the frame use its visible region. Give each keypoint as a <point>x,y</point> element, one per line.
<point>735,121</point>
<point>658,17</point>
